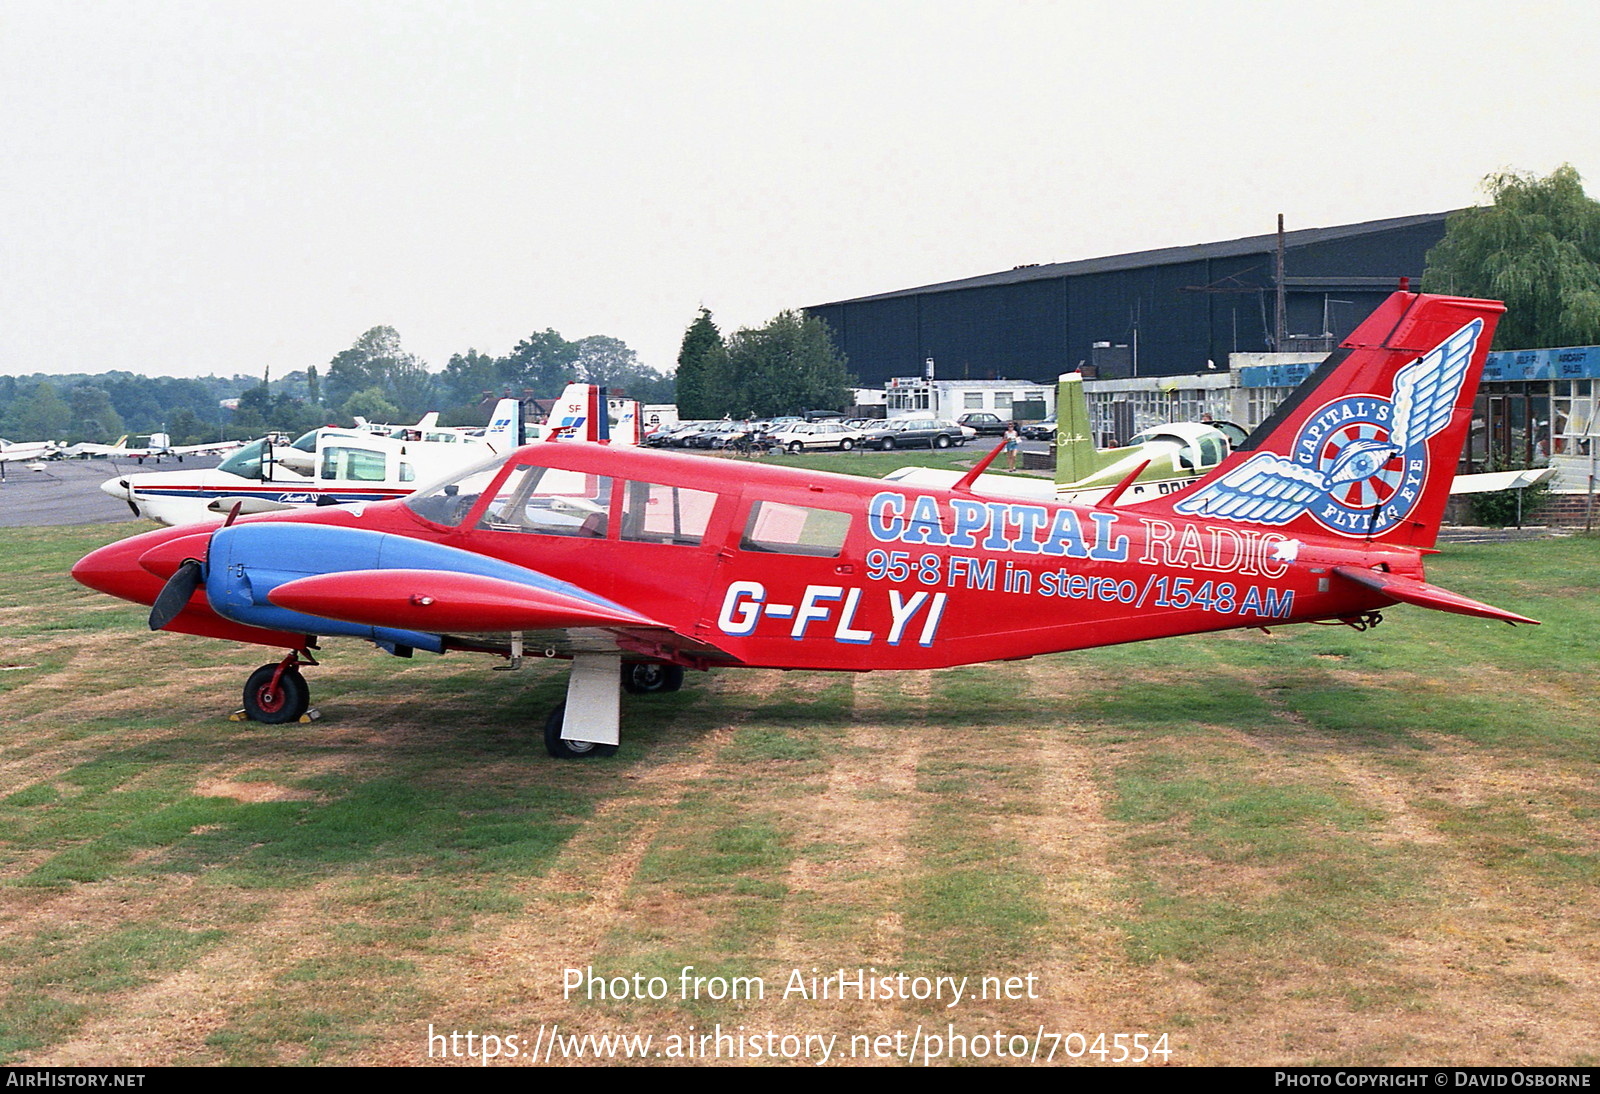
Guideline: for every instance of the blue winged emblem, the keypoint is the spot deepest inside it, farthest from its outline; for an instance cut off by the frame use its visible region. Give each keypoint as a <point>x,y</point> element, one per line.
<point>1273,489</point>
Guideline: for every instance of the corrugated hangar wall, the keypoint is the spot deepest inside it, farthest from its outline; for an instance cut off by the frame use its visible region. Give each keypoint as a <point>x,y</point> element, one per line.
<point>1188,305</point>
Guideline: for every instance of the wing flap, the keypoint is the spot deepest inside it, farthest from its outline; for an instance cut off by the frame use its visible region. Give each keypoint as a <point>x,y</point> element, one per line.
<point>1411,591</point>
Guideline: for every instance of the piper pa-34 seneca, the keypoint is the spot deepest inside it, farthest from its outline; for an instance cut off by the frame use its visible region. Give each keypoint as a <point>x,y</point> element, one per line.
<point>637,565</point>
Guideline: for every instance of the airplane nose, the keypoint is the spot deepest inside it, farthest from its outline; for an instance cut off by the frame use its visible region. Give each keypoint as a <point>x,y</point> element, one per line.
<point>117,488</point>
<point>115,568</point>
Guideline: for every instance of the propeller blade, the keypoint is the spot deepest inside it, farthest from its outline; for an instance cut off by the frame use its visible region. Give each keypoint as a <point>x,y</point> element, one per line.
<point>175,594</point>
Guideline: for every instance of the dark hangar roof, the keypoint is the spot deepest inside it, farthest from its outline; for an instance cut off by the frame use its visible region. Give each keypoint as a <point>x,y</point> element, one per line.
<point>1165,256</point>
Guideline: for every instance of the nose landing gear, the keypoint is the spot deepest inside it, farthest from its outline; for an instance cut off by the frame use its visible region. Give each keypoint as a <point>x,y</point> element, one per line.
<point>277,694</point>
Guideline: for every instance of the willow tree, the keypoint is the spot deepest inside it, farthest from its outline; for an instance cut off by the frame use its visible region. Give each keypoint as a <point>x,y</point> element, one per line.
<point>1537,247</point>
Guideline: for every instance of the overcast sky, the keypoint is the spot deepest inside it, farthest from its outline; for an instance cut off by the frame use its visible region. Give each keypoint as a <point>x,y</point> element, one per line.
<point>193,187</point>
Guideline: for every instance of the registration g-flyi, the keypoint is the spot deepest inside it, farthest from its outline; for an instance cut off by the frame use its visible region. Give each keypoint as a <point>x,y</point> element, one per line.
<point>637,565</point>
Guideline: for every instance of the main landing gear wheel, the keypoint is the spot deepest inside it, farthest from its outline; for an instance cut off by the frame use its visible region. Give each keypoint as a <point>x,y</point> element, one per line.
<point>569,750</point>
<point>278,705</point>
<point>648,678</point>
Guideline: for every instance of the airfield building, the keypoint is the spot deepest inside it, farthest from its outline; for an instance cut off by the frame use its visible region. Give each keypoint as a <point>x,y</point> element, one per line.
<point>1166,312</point>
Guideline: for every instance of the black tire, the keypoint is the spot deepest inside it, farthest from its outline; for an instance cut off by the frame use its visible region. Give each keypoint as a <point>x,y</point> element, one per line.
<point>888,443</point>
<point>651,678</point>
<point>277,707</point>
<point>795,448</point>
<point>941,441</point>
<point>569,750</point>
<point>846,445</point>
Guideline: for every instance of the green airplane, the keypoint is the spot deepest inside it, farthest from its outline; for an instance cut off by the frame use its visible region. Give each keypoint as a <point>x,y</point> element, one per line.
<point>1175,454</point>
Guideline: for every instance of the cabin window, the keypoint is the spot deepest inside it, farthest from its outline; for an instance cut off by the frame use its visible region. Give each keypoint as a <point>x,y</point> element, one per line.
<point>352,464</point>
<point>551,501</point>
<point>652,513</point>
<point>795,530</point>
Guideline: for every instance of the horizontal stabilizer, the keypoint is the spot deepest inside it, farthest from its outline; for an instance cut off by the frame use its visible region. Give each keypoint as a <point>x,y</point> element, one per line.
<point>445,602</point>
<point>1410,591</point>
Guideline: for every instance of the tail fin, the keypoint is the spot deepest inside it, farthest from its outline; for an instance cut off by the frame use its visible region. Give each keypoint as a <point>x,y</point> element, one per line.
<point>505,426</point>
<point>1368,445</point>
<point>1075,454</point>
<point>626,428</point>
<point>579,415</point>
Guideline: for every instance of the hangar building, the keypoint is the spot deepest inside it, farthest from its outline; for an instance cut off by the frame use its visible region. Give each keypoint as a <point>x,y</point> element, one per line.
<point>1153,313</point>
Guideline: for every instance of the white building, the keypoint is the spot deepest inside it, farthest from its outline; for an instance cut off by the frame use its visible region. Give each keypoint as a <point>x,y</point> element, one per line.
<point>1020,400</point>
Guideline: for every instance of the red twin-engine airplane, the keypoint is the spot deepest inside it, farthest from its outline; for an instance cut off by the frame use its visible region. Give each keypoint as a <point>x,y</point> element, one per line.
<point>640,564</point>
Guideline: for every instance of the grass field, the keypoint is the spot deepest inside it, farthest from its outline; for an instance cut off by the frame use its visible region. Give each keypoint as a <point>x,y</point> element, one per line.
<point>1311,847</point>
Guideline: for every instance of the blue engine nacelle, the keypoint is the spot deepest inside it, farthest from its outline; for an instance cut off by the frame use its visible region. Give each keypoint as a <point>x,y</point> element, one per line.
<point>247,561</point>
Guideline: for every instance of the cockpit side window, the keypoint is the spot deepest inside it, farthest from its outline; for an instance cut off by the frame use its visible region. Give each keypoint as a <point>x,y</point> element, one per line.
<point>352,464</point>
<point>551,501</point>
<point>449,502</point>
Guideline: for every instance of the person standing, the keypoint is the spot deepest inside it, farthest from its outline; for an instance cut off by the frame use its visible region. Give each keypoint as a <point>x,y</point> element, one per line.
<point>1012,444</point>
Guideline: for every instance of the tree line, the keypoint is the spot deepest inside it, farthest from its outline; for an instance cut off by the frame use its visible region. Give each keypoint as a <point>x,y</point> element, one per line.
<point>787,366</point>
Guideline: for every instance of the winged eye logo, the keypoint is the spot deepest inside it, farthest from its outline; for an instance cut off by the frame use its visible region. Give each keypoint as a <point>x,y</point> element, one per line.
<point>1359,462</point>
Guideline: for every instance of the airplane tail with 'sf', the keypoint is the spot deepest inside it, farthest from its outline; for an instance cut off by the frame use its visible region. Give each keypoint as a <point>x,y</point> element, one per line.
<point>1367,447</point>
<point>584,413</point>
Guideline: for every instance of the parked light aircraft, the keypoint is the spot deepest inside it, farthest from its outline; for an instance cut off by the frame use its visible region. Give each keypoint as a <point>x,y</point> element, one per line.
<point>640,564</point>
<point>158,446</point>
<point>323,467</point>
<point>334,466</point>
<point>1161,460</point>
<point>25,452</point>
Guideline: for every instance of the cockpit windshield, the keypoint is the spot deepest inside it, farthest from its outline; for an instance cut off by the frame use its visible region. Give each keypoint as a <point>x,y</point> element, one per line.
<point>449,500</point>
<point>246,463</point>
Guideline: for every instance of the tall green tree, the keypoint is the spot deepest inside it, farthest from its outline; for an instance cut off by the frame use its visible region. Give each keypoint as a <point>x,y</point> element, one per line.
<point>377,359</point>
<point>93,417</point>
<point>787,366</point>
<point>1537,247</point>
<point>469,377</point>
<point>699,359</point>
<point>41,415</point>
<point>543,363</point>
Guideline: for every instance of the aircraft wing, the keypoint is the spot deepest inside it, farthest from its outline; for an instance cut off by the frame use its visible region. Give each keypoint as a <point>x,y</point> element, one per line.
<point>204,449</point>
<point>335,580</point>
<point>1500,480</point>
<point>561,616</point>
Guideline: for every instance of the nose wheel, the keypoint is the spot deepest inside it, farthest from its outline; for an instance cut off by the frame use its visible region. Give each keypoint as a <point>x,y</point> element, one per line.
<point>277,694</point>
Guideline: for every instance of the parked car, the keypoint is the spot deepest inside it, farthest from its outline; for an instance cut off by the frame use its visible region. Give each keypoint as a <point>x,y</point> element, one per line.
<point>720,435</point>
<point>914,433</point>
<point>804,435</point>
<point>1041,431</point>
<point>983,424</point>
